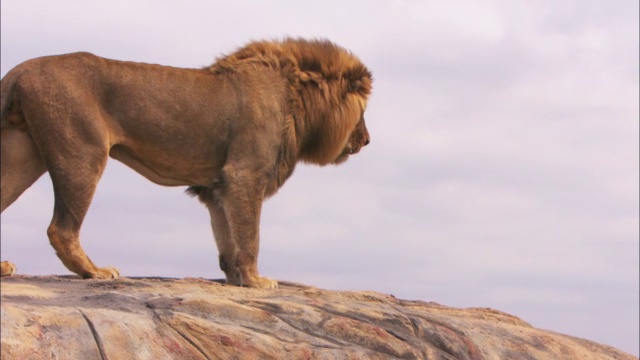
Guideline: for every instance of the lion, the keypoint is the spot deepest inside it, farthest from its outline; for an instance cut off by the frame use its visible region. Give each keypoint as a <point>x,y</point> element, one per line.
<point>232,132</point>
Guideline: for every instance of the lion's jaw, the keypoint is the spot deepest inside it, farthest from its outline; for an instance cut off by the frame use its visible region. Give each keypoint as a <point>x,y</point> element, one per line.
<point>358,139</point>
<point>344,155</point>
<point>350,149</point>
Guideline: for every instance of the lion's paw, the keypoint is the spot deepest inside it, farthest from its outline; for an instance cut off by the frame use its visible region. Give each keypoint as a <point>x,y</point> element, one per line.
<point>7,268</point>
<point>105,273</point>
<point>234,278</point>
<point>262,283</point>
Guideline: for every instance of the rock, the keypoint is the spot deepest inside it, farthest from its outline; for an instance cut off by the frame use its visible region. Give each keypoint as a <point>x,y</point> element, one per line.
<point>56,317</point>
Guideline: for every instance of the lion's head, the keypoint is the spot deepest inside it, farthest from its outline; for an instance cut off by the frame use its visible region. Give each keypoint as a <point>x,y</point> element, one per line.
<point>328,92</point>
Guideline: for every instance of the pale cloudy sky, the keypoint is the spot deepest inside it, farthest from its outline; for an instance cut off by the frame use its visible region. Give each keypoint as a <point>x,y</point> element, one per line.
<point>502,172</point>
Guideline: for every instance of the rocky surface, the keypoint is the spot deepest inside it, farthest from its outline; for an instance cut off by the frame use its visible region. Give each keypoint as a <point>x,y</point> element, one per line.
<point>147,318</point>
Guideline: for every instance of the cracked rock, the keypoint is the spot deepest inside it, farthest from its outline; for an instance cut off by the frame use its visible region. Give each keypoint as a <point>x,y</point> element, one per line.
<point>53,317</point>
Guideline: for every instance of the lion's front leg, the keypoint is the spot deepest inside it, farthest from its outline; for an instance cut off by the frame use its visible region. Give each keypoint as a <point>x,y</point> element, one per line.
<point>227,249</point>
<point>242,202</point>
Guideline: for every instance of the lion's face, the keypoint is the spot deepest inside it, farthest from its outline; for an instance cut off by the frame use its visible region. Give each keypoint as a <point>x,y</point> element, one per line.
<point>357,140</point>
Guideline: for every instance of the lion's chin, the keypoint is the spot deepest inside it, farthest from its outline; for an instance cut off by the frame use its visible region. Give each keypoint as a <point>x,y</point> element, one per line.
<point>348,150</point>
<point>342,158</point>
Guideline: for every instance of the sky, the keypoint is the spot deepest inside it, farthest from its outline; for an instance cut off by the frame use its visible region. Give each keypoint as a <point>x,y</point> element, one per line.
<point>502,170</point>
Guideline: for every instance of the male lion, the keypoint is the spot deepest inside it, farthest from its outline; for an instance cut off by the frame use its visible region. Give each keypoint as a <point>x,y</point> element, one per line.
<point>233,132</point>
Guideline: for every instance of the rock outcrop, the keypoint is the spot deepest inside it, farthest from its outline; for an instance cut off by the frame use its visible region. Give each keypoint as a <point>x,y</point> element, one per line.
<point>155,318</point>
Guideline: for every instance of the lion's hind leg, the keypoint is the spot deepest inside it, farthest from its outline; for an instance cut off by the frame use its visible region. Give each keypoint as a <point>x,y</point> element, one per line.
<point>20,166</point>
<point>74,178</point>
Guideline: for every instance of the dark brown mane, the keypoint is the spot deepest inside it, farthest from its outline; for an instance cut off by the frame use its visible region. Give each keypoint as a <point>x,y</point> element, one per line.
<point>321,76</point>
<point>302,61</point>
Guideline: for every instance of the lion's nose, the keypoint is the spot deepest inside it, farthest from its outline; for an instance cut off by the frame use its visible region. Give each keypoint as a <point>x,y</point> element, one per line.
<point>366,141</point>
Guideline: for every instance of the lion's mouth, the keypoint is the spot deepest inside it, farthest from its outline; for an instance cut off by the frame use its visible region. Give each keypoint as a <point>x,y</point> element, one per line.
<point>350,149</point>
<point>353,149</point>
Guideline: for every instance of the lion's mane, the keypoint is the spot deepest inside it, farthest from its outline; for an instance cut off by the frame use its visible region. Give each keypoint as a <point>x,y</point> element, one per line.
<point>320,75</point>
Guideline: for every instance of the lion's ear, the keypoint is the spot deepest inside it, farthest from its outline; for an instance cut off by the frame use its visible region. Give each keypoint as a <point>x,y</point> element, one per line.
<point>359,80</point>
<point>360,86</point>
<point>354,86</point>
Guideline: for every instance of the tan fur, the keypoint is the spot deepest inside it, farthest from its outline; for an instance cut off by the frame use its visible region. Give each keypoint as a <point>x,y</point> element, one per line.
<point>232,132</point>
<point>7,268</point>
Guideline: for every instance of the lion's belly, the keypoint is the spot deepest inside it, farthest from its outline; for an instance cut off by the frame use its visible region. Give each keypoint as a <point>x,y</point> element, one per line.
<point>167,169</point>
